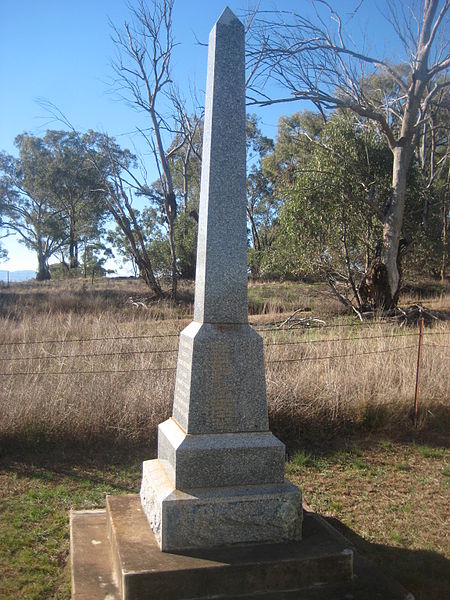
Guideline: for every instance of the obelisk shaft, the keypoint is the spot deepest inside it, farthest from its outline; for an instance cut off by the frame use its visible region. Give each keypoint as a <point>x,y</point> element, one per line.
<point>221,275</point>
<point>219,476</point>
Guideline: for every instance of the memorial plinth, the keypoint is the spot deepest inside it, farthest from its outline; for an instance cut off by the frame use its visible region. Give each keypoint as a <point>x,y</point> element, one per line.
<point>219,476</point>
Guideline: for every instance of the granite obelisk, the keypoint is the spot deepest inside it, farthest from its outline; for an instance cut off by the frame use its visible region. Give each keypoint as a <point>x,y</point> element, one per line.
<point>216,497</point>
<point>219,476</point>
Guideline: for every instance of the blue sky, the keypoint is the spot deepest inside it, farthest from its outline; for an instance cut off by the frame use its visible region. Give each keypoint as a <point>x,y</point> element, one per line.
<point>61,50</point>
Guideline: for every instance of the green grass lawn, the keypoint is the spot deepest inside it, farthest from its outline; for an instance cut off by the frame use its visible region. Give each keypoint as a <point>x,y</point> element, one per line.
<point>36,495</point>
<point>389,498</point>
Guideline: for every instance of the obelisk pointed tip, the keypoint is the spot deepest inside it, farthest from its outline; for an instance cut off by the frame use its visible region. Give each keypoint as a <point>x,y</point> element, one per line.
<point>227,17</point>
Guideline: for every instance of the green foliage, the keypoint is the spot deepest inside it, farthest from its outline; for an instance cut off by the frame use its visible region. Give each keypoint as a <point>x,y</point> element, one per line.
<point>186,248</point>
<point>93,257</point>
<point>159,250</point>
<point>333,181</point>
<point>262,204</point>
<point>328,222</point>
<point>186,242</point>
<point>74,185</point>
<point>329,185</point>
<point>29,210</point>
<point>428,196</point>
<point>52,195</point>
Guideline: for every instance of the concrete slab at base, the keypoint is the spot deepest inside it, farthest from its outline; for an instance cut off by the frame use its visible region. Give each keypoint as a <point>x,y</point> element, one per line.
<point>264,572</point>
<point>143,571</point>
<point>91,561</point>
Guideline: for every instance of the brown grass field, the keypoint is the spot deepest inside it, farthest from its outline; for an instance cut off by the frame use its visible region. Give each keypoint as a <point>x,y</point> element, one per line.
<point>82,363</point>
<point>87,373</point>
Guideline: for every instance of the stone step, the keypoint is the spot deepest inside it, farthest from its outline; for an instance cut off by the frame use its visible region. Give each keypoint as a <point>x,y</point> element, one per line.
<point>320,565</point>
<point>91,561</point>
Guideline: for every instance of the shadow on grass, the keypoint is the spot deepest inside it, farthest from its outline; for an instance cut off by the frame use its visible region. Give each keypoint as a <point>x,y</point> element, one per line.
<point>326,439</point>
<point>40,445</point>
<point>118,467</point>
<point>424,573</point>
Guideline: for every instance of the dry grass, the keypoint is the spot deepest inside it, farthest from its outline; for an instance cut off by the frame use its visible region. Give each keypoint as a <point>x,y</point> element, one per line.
<point>90,398</point>
<point>104,391</point>
<point>369,383</point>
<point>275,298</point>
<point>111,297</point>
<point>116,389</point>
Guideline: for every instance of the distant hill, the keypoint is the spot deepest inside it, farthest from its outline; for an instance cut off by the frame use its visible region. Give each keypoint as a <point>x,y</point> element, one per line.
<point>17,275</point>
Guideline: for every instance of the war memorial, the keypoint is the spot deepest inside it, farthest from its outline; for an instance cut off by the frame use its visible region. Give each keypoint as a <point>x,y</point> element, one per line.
<point>216,517</point>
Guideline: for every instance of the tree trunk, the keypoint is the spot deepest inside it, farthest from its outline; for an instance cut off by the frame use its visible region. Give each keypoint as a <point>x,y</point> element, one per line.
<point>73,263</point>
<point>380,288</point>
<point>444,249</point>
<point>186,159</point>
<point>123,214</point>
<point>255,237</point>
<point>146,273</point>
<point>85,259</point>
<point>445,212</point>
<point>367,244</point>
<point>64,265</point>
<point>171,212</point>
<point>43,272</point>
<point>144,266</point>
<point>73,245</point>
<point>392,227</point>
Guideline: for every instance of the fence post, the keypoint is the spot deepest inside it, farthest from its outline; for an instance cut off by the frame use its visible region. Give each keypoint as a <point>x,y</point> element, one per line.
<point>419,359</point>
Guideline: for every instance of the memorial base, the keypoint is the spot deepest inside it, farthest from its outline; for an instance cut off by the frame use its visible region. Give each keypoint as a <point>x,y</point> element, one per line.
<point>218,516</point>
<point>114,556</point>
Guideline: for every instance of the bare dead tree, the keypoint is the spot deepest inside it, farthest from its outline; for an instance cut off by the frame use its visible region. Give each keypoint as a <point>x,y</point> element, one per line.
<point>142,67</point>
<point>188,142</point>
<point>314,60</point>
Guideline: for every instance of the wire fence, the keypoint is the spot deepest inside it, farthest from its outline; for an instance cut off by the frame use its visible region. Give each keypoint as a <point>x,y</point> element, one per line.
<point>15,358</point>
<point>38,361</point>
<point>261,329</point>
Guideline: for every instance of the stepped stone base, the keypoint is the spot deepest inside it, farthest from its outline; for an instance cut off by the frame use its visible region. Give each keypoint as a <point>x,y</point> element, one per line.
<point>218,516</point>
<point>115,556</point>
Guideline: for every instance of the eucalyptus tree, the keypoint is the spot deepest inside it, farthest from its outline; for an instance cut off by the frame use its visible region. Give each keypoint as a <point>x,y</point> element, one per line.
<point>29,209</point>
<point>333,183</point>
<point>433,158</point>
<point>71,183</point>
<point>261,202</point>
<point>319,63</point>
